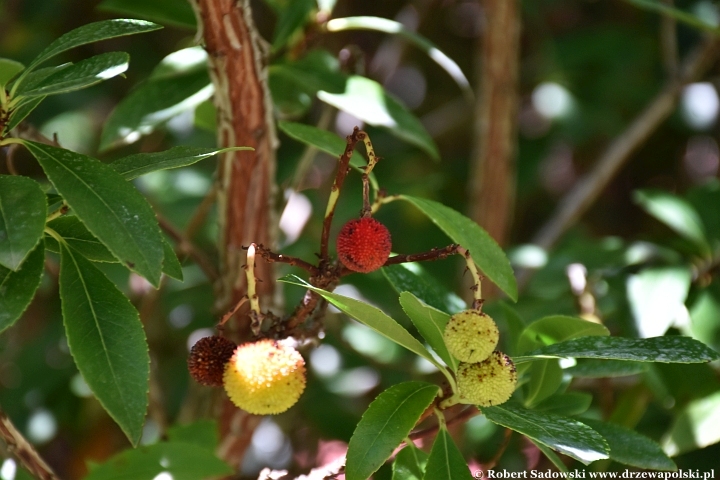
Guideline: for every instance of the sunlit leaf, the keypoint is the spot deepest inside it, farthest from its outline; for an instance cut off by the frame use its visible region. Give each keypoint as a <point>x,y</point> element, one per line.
<point>486,253</point>
<point>562,434</point>
<point>8,69</point>
<point>557,328</point>
<point>106,340</point>
<point>445,460</point>
<point>409,464</point>
<point>696,426</point>
<point>22,218</point>
<point>657,296</point>
<point>592,368</point>
<point>385,424</point>
<point>18,288</point>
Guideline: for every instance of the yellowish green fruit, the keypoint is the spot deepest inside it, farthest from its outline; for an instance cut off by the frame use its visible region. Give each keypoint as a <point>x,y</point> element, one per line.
<point>490,382</point>
<point>471,336</point>
<point>265,377</point>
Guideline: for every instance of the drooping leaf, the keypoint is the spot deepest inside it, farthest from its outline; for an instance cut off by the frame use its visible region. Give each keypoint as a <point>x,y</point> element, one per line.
<point>669,349</point>
<point>657,296</point>
<point>367,100</point>
<point>631,448</point>
<point>385,424</point>
<point>18,288</point>
<point>695,427</point>
<point>430,322</point>
<point>171,264</point>
<point>591,368</point>
<point>169,12</point>
<point>82,74</point>
<point>445,460</point>
<point>562,434</point>
<point>111,208</point>
<point>568,404</point>
<point>8,69</point>
<point>133,166</point>
<point>152,104</point>
<point>79,238</point>
<point>413,278</point>
<point>107,341</point>
<point>486,253</point>
<point>22,218</point>
<point>93,32</point>
<point>179,460</point>
<point>371,316</point>
<point>675,212</point>
<point>409,464</point>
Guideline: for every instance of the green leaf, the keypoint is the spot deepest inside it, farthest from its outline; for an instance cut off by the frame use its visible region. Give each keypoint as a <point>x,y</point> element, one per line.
<point>568,404</point>
<point>318,70</point>
<point>386,422</point>
<point>631,448</point>
<point>171,264</point>
<point>486,253</point>
<point>413,278</point>
<point>111,208</point>
<point>202,433</point>
<point>430,322</point>
<point>179,460</point>
<point>675,212</point>
<point>8,69</point>
<point>93,32</point>
<point>22,111</point>
<point>169,12</point>
<point>409,464</point>
<point>294,16</point>
<point>555,329</point>
<point>206,116</point>
<point>17,289</point>
<point>133,166</point>
<point>679,15</point>
<point>669,349</point>
<point>82,74</point>
<point>562,434</point>
<point>591,368</point>
<point>32,79</point>
<point>323,140</point>
<point>78,237</point>
<point>152,104</point>
<point>656,296</point>
<point>22,218</point>
<point>367,100</point>
<point>445,460</point>
<point>696,426</point>
<point>515,326</point>
<point>106,340</point>
<point>545,378</point>
<point>396,28</point>
<point>371,316</point>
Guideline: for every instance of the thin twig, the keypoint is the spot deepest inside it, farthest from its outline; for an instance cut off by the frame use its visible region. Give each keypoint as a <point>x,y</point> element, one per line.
<point>201,212</point>
<point>588,189</point>
<point>668,42</point>
<point>270,256</point>
<point>24,451</point>
<point>188,248</point>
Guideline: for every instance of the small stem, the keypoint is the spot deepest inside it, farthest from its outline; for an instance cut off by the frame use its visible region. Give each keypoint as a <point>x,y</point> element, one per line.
<point>255,315</point>
<point>367,208</point>
<point>463,416</point>
<point>57,213</point>
<point>201,212</point>
<point>441,419</point>
<point>270,256</point>
<point>232,312</point>
<point>188,248</point>
<point>450,401</point>
<point>24,451</point>
<point>477,291</point>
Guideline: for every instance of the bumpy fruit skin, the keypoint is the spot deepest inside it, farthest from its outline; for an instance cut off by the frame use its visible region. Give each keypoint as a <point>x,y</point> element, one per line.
<point>207,360</point>
<point>490,382</point>
<point>363,244</point>
<point>471,336</point>
<point>265,377</point>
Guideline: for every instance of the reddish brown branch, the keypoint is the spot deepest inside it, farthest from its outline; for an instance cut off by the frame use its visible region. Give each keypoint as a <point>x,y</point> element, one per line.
<point>188,248</point>
<point>24,451</point>
<point>270,256</point>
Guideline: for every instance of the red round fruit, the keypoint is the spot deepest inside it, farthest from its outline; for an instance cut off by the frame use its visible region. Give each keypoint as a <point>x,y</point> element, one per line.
<point>207,360</point>
<point>363,244</point>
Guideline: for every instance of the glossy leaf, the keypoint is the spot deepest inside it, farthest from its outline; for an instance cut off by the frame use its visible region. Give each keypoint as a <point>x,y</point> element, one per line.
<point>562,434</point>
<point>93,32</point>
<point>657,296</point>
<point>669,349</point>
<point>18,288</point>
<point>695,427</point>
<point>367,100</point>
<point>133,166</point>
<point>22,218</point>
<point>79,238</point>
<point>557,328</point>
<point>178,460</point>
<point>568,404</point>
<point>545,377</point>
<point>111,208</point>
<point>486,253</point>
<point>396,28</point>
<point>169,12</point>
<point>409,464</point>
<point>32,79</point>
<point>385,424</point>
<point>413,278</point>
<point>675,212</point>
<point>631,448</point>
<point>8,69</point>
<point>323,140</point>
<point>591,368</point>
<point>371,316</point>
<point>445,460</point>
<point>106,340</point>
<point>82,74</point>
<point>152,104</point>
<point>430,322</point>
<point>171,264</point>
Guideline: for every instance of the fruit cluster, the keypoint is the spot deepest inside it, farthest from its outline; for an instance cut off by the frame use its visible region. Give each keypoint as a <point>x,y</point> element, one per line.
<point>485,377</point>
<point>263,377</point>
